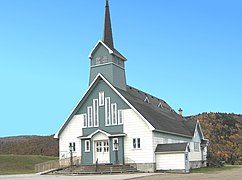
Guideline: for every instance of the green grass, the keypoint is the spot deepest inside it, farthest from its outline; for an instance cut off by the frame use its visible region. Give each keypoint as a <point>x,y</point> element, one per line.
<point>211,169</point>
<point>21,164</point>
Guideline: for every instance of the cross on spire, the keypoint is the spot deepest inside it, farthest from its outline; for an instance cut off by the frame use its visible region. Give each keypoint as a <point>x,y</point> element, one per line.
<point>107,31</point>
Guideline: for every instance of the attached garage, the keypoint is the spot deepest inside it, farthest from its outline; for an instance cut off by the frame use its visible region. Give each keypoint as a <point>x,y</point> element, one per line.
<point>172,157</point>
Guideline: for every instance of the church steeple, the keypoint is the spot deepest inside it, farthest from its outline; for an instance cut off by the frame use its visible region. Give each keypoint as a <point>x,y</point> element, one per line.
<point>105,59</point>
<point>107,30</point>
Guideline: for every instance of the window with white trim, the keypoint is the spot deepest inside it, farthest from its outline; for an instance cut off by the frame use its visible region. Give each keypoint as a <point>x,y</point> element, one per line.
<point>136,143</point>
<point>89,114</point>
<point>87,146</point>
<point>196,146</point>
<point>114,113</point>
<point>120,117</point>
<point>95,113</point>
<point>115,144</point>
<point>84,120</point>
<point>73,145</point>
<point>101,98</point>
<point>107,112</point>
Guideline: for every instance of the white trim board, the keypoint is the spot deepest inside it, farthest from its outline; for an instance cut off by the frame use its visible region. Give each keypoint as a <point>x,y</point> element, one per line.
<point>100,76</point>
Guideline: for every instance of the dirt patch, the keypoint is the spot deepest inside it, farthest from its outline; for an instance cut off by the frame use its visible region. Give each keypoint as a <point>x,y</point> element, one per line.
<point>233,174</point>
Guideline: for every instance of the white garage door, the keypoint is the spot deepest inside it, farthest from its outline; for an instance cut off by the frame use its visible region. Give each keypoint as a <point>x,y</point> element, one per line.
<point>170,161</point>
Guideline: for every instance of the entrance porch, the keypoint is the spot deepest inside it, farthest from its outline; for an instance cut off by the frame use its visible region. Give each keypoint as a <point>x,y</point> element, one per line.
<point>102,147</point>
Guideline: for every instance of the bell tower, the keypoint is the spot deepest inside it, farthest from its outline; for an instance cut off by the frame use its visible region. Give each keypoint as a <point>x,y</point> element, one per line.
<point>105,59</point>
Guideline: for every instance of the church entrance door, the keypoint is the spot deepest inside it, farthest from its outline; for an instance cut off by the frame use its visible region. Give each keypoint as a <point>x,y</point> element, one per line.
<point>101,150</point>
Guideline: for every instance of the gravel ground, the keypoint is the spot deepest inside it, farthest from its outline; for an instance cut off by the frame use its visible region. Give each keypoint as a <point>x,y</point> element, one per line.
<point>233,174</point>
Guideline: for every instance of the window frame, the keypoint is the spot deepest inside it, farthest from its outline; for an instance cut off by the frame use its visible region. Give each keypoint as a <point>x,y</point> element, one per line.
<point>87,146</point>
<point>120,112</point>
<point>95,113</point>
<point>136,143</point>
<point>114,113</point>
<point>108,113</point>
<point>85,122</point>
<point>101,98</point>
<point>73,145</point>
<point>90,116</point>
<point>196,146</point>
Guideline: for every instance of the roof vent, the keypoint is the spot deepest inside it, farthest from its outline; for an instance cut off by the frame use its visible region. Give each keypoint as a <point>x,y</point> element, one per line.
<point>160,105</point>
<point>147,100</point>
<point>180,111</point>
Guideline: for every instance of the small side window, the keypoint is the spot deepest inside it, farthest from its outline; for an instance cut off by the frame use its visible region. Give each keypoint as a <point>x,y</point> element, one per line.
<point>136,143</point>
<point>87,145</point>
<point>196,146</point>
<point>72,146</point>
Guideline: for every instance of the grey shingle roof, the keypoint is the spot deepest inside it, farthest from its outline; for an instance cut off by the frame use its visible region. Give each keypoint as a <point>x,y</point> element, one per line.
<point>162,118</point>
<point>171,147</point>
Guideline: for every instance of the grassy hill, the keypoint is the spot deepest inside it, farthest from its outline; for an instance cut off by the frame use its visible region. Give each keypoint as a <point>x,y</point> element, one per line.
<point>29,145</point>
<point>20,164</point>
<point>224,132</point>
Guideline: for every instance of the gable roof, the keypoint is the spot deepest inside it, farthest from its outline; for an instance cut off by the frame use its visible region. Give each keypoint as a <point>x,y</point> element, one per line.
<point>95,81</point>
<point>158,118</point>
<point>110,50</point>
<point>176,147</point>
<point>158,113</point>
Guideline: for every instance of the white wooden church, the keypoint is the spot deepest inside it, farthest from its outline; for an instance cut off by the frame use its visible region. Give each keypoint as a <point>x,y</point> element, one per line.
<point>114,123</point>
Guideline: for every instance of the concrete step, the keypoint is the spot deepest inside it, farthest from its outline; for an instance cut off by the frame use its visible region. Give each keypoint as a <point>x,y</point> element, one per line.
<point>101,168</point>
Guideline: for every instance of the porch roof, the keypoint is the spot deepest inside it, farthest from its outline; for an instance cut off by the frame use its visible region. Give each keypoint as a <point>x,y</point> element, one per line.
<point>112,134</point>
<point>175,147</point>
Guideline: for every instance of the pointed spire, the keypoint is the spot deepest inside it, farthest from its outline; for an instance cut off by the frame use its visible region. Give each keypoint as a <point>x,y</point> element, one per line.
<point>107,31</point>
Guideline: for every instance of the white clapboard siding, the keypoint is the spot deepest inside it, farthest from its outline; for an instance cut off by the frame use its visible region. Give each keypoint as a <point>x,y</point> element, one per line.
<point>193,155</point>
<point>69,135</point>
<point>170,161</point>
<point>135,127</point>
<point>161,138</point>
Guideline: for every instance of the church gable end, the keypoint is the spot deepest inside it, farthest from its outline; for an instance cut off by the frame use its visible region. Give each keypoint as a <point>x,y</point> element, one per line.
<point>100,109</point>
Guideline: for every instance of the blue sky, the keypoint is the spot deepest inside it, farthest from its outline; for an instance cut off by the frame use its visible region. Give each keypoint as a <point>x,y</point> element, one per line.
<point>188,53</point>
